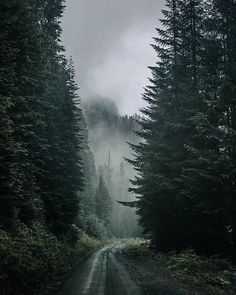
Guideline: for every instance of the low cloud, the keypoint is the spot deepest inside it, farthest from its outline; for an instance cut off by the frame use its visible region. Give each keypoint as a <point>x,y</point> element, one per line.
<point>109,42</point>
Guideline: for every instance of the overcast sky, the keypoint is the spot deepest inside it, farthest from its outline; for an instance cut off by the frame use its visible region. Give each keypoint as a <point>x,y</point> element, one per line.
<point>109,42</point>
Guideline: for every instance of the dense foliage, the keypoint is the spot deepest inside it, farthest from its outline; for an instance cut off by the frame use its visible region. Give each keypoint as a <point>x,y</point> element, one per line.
<point>36,262</point>
<point>186,160</point>
<point>42,150</point>
<point>103,201</point>
<point>40,136</point>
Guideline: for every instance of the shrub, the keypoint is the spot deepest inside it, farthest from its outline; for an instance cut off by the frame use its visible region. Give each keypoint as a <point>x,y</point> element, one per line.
<point>93,226</point>
<point>34,261</point>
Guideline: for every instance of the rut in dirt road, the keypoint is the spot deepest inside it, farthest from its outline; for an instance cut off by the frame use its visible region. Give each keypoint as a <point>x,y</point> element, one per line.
<point>108,272</point>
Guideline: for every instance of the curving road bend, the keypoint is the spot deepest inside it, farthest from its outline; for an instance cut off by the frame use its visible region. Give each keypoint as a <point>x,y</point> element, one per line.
<point>108,272</point>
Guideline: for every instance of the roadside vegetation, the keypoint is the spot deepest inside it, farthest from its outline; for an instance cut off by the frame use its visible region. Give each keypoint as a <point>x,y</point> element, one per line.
<point>23,271</point>
<point>199,274</point>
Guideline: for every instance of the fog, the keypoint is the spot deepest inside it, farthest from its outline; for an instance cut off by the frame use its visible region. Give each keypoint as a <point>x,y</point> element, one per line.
<point>108,136</point>
<point>109,42</point>
<point>110,45</point>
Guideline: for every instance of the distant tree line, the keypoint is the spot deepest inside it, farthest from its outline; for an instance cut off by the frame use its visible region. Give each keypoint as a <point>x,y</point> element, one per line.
<point>109,132</point>
<point>186,162</point>
<point>95,198</point>
<point>103,113</point>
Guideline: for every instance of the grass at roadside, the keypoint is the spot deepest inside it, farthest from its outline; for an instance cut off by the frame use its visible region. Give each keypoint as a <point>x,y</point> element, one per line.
<point>215,275</point>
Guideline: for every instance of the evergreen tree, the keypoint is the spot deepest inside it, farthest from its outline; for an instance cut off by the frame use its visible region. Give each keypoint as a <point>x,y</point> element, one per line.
<point>88,194</point>
<point>103,201</point>
<point>159,157</point>
<point>7,142</point>
<point>40,147</point>
<point>62,178</point>
<point>176,202</point>
<point>202,176</point>
<point>224,19</point>
<point>22,39</point>
<point>185,162</point>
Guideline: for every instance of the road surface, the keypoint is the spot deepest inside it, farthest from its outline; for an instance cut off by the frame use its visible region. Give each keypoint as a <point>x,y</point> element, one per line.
<point>108,272</point>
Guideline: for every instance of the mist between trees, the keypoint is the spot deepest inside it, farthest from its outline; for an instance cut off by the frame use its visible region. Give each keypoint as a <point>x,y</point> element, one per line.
<point>62,170</point>
<point>109,134</point>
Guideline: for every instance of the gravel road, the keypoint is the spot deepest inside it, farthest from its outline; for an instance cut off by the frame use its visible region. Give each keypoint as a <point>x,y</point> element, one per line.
<point>109,272</point>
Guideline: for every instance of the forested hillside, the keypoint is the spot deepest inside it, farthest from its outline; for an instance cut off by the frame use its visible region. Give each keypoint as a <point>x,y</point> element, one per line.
<point>186,164</point>
<point>109,134</point>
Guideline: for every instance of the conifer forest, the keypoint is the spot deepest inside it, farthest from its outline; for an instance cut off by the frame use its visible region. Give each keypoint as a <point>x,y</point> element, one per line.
<point>116,178</point>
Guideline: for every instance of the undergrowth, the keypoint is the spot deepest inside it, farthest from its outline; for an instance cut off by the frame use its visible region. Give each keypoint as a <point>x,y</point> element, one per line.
<point>214,275</point>
<point>35,261</point>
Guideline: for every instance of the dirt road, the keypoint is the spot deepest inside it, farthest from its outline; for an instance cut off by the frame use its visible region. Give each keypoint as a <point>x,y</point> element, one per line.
<point>108,272</point>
